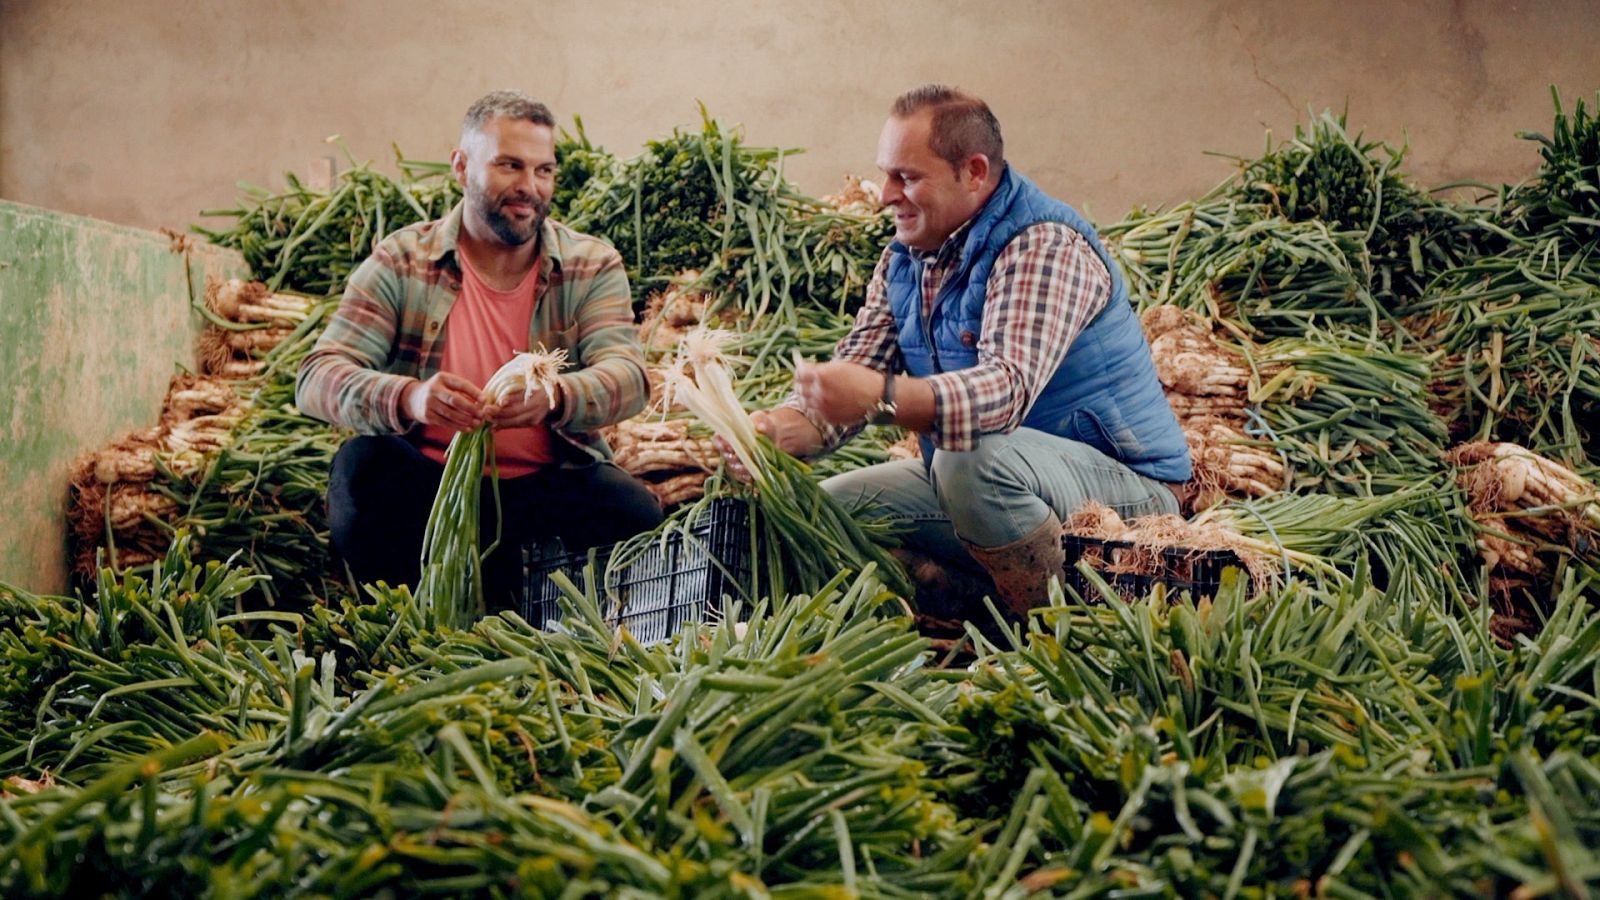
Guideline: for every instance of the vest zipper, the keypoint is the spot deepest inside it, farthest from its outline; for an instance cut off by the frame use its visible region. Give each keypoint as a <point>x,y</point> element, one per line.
<point>925,315</point>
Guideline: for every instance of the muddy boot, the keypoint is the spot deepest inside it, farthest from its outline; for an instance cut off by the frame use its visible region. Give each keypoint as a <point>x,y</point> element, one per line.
<point>950,595</point>
<point>1022,569</point>
<point>946,593</point>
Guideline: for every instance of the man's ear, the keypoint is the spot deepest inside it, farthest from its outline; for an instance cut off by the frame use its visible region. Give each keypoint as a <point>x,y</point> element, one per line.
<point>975,171</point>
<point>458,165</point>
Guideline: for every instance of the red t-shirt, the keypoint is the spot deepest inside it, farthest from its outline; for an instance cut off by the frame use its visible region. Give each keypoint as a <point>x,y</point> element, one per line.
<point>484,329</point>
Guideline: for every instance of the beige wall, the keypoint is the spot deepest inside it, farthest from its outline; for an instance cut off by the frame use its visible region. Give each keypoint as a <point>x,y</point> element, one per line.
<point>145,111</point>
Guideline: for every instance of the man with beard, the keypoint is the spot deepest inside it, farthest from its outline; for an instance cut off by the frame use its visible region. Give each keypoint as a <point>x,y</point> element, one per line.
<point>426,320</point>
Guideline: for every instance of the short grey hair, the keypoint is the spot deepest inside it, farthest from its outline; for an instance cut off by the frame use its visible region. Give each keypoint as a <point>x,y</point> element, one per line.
<point>962,127</point>
<point>506,105</point>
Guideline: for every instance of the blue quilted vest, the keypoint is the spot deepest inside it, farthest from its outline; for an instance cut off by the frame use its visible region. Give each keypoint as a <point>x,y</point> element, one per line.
<point>1105,393</point>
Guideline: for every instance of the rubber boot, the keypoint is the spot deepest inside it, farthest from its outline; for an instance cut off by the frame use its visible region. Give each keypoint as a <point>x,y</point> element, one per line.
<point>1023,568</point>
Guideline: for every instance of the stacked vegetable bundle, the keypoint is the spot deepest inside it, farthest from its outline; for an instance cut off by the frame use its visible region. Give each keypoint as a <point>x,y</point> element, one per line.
<point>1207,383</point>
<point>255,480</point>
<point>1520,324</point>
<point>233,462</point>
<point>116,500</point>
<point>1321,232</point>
<point>246,323</point>
<point>1289,311</point>
<point>1320,413</point>
<point>1525,503</point>
<point>309,240</point>
<point>710,203</point>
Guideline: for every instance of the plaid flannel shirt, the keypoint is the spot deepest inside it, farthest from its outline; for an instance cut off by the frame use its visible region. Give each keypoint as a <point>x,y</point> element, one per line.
<point>390,328</point>
<point>1046,286</point>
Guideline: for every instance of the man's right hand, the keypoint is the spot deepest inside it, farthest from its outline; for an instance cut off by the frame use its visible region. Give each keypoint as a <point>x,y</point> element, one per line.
<point>446,400</point>
<point>786,427</point>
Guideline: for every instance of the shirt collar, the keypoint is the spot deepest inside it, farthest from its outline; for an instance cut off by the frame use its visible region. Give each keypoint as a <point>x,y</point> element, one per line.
<point>441,242</point>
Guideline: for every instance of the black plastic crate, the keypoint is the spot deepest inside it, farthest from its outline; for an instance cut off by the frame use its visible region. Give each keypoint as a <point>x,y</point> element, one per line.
<point>680,580</point>
<point>1125,568</point>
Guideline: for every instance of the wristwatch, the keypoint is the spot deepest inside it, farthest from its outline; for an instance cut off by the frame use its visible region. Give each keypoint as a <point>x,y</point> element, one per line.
<point>882,412</point>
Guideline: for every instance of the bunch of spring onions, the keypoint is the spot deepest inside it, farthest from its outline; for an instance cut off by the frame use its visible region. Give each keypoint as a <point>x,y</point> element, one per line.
<point>451,589</point>
<point>807,536</point>
<point>1518,326</point>
<point>703,199</point>
<point>1349,417</point>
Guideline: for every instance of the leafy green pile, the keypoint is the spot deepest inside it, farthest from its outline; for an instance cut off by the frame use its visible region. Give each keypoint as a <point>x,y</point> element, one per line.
<point>1321,232</point>
<point>1519,325</point>
<point>706,202</point>
<point>1318,736</point>
<point>309,240</point>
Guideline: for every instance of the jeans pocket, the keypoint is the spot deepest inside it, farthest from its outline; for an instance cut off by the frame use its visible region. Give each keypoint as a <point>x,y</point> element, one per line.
<point>1113,438</point>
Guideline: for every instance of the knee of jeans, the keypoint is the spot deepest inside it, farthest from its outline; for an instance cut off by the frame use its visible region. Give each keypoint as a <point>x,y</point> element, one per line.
<point>968,483</point>
<point>991,465</point>
<point>862,490</point>
<point>850,488</point>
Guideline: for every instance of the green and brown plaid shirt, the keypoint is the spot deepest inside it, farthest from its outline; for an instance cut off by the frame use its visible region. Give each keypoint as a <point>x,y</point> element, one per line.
<point>390,328</point>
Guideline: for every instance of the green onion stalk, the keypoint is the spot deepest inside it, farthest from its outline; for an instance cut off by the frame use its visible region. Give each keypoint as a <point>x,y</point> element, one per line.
<point>451,587</point>
<point>807,535</point>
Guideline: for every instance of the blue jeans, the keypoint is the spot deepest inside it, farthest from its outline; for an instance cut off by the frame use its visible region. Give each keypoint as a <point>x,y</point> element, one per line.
<point>999,492</point>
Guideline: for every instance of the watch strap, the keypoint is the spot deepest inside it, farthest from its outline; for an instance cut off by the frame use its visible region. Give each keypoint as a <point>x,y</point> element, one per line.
<point>883,411</point>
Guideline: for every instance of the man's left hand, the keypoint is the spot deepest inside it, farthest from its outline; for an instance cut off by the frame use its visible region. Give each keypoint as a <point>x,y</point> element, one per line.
<point>840,393</point>
<point>518,412</point>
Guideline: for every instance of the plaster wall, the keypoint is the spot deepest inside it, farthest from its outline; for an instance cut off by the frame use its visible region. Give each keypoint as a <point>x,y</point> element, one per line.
<point>94,320</point>
<point>147,111</point>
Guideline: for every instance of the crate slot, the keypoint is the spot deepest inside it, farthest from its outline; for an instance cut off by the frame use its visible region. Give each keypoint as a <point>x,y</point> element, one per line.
<point>672,583</point>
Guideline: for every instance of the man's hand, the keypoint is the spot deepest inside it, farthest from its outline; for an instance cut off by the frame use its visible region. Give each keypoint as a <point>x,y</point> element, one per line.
<point>446,400</point>
<point>517,412</point>
<point>840,393</point>
<point>786,427</point>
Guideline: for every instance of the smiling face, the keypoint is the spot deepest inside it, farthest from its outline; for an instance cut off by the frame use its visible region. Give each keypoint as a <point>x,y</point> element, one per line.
<point>508,170</point>
<point>930,197</point>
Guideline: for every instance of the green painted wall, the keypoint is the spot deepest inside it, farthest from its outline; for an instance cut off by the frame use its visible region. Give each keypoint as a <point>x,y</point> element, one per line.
<point>94,319</point>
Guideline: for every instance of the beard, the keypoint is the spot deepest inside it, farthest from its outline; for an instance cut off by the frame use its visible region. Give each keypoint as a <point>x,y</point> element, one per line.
<point>513,232</point>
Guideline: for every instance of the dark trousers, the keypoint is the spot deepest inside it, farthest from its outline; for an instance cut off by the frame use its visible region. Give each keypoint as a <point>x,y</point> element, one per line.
<point>381,490</point>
